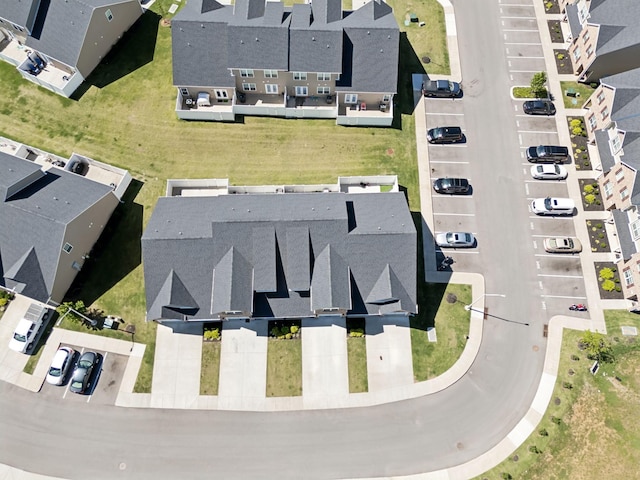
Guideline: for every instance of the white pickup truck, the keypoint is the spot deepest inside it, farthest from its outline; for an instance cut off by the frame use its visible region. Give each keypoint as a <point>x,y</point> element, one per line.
<point>29,328</point>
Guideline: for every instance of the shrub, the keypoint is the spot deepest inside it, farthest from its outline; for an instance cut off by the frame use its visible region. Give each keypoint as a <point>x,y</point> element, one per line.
<point>213,334</point>
<point>588,188</point>
<point>585,156</point>
<point>608,286</point>
<point>560,56</point>
<point>288,336</point>
<point>598,225</point>
<point>506,476</point>
<point>601,235</point>
<point>575,358</point>
<point>588,223</point>
<point>590,199</point>
<point>596,345</point>
<point>598,202</point>
<point>556,420</point>
<point>586,164</point>
<point>356,332</point>
<point>534,449</point>
<point>618,288</point>
<point>576,122</point>
<point>593,85</point>
<point>606,273</point>
<point>543,432</point>
<point>294,329</point>
<point>577,131</point>
<point>567,385</point>
<point>595,185</point>
<point>603,245</point>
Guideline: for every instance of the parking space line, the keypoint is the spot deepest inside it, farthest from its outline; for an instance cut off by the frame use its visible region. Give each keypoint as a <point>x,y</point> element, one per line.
<point>523,43</point>
<point>544,305</point>
<point>537,265</point>
<point>518,56</point>
<point>535,245</point>
<point>441,195</point>
<point>519,30</point>
<point>543,182</point>
<point>558,217</point>
<point>556,255</point>
<point>536,131</point>
<point>449,161</point>
<point>456,214</point>
<point>444,113</point>
<point>448,146</point>
<point>518,18</point>
<point>524,71</point>
<point>457,251</point>
<point>563,296</point>
<point>559,276</point>
<point>520,139</point>
<point>526,188</point>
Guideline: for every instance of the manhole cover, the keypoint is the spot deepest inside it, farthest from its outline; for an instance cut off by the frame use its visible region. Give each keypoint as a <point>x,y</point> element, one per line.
<point>452,298</point>
<point>426,60</point>
<point>459,446</point>
<point>557,400</point>
<point>536,348</point>
<point>515,458</point>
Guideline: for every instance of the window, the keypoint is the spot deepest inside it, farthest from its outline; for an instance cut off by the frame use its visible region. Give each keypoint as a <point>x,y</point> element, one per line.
<point>619,175</point>
<point>635,229</point>
<point>270,74</point>
<point>324,77</point>
<point>583,12</point>
<point>628,277</point>
<point>67,247</point>
<point>302,91</point>
<point>351,98</point>
<point>271,88</point>
<point>601,96</point>
<point>299,75</point>
<point>249,87</point>
<point>246,73</point>
<point>76,266</point>
<point>624,193</point>
<point>576,54</point>
<point>386,98</point>
<point>589,51</point>
<point>184,92</point>
<point>324,90</point>
<point>605,113</point>
<point>616,143</point>
<point>592,122</point>
<point>608,189</point>
<point>108,14</point>
<point>222,95</point>
<point>586,36</point>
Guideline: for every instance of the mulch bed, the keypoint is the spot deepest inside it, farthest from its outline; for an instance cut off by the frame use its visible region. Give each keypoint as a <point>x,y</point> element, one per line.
<point>563,62</point>
<point>555,31</point>
<point>551,6</point>
<point>579,146</point>
<point>597,236</point>
<point>597,204</point>
<point>613,295</point>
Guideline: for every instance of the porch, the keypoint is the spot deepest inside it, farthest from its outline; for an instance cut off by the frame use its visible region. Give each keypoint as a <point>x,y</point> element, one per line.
<point>12,52</point>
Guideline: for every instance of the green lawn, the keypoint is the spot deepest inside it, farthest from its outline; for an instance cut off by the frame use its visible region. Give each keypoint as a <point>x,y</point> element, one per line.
<point>598,431</point>
<point>431,359</point>
<point>210,373</point>
<point>124,115</point>
<point>357,358</point>
<point>584,91</point>
<point>284,368</point>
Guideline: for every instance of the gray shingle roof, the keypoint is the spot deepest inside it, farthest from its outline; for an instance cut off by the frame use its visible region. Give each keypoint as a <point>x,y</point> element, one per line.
<point>323,258</point>
<point>363,46</point>
<point>574,20</point>
<point>627,245</point>
<point>20,12</point>
<point>604,150</point>
<point>38,214</point>
<point>618,20</point>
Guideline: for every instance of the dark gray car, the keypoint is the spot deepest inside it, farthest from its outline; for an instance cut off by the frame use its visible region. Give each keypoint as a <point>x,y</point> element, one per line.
<point>445,135</point>
<point>451,185</point>
<point>80,380</point>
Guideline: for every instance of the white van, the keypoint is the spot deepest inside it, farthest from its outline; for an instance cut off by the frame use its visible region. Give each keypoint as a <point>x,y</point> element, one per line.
<point>28,328</point>
<point>553,206</point>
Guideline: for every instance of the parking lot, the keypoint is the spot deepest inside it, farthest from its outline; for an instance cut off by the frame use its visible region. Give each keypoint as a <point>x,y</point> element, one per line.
<point>104,383</point>
<point>559,276</point>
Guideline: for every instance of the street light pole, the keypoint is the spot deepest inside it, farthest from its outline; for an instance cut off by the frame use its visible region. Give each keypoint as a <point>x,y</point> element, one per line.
<point>468,307</point>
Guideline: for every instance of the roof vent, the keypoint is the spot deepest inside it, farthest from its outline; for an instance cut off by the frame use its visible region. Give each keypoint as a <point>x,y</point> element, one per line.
<point>55,198</point>
<point>202,25</point>
<point>241,41</point>
<point>368,32</point>
<point>313,39</point>
<point>257,39</point>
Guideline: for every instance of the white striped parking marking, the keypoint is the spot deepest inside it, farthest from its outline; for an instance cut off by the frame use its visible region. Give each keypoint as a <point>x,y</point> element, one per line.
<point>559,276</point>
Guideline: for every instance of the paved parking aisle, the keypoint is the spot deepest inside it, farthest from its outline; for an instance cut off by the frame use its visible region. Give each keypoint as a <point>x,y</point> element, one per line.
<point>243,364</point>
<point>389,361</point>
<point>12,363</point>
<point>176,368</point>
<point>325,366</point>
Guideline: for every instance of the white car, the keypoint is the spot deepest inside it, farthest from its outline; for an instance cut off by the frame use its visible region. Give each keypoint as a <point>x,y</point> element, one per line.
<point>455,239</point>
<point>553,206</point>
<point>548,171</point>
<point>60,365</point>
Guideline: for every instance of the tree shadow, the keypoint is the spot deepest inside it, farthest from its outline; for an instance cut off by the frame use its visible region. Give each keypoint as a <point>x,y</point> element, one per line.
<point>135,49</point>
<point>116,253</point>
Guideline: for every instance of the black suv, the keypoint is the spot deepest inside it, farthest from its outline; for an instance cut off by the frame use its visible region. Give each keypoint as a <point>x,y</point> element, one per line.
<point>547,154</point>
<point>445,135</point>
<point>539,107</point>
<point>451,185</point>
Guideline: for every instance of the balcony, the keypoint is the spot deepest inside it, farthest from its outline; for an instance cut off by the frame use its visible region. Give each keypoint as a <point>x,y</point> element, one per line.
<point>203,108</point>
<point>369,114</point>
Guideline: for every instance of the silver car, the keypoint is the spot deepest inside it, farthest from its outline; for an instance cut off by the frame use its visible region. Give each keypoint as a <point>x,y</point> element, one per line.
<point>456,240</point>
<point>60,365</point>
<point>548,171</point>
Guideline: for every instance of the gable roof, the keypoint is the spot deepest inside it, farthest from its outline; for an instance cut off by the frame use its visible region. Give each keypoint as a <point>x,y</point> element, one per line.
<point>318,252</point>
<point>618,20</point>
<point>20,12</point>
<point>38,205</point>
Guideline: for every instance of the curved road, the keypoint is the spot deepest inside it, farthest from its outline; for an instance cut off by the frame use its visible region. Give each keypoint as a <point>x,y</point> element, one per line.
<point>418,435</point>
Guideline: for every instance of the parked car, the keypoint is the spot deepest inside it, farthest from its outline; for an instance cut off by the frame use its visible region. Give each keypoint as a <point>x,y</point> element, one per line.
<point>455,239</point>
<point>547,171</point>
<point>553,206</point>
<point>451,185</point>
<point>445,135</point>
<point>29,328</point>
<point>562,245</point>
<point>60,365</point>
<point>547,154</point>
<point>539,107</point>
<point>83,371</point>
<point>441,88</point>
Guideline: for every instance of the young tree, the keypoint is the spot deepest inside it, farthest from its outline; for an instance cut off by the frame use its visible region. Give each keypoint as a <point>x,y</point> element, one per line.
<point>538,84</point>
<point>597,346</point>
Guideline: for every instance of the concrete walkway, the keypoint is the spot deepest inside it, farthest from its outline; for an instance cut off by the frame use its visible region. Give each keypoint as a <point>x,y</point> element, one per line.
<point>389,358</point>
<point>325,370</point>
<point>243,365</point>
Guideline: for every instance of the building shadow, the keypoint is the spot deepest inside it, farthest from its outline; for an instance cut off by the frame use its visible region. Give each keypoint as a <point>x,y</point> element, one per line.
<point>116,253</point>
<point>135,49</point>
<point>408,64</point>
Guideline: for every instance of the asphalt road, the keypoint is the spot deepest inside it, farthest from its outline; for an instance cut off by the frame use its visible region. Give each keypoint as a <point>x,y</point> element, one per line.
<point>79,440</point>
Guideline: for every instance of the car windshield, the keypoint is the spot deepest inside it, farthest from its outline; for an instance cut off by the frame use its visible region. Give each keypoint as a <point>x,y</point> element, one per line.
<point>447,182</point>
<point>84,363</point>
<point>19,338</point>
<point>76,384</point>
<point>548,204</point>
<point>55,372</point>
<point>567,243</point>
<point>556,169</point>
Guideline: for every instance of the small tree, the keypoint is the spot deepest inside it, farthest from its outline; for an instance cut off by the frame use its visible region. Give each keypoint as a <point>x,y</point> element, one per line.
<point>538,82</point>
<point>597,346</point>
